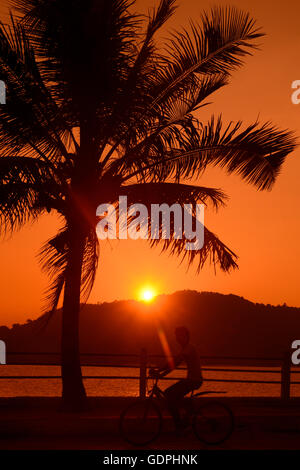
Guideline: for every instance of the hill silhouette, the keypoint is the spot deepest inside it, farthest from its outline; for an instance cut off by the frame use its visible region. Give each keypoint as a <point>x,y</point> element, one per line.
<point>221,325</point>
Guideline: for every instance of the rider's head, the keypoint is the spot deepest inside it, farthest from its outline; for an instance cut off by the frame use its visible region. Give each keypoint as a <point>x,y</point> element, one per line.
<point>182,335</point>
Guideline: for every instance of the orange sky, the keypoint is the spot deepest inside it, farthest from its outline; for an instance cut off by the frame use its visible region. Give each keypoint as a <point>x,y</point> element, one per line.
<point>261,227</point>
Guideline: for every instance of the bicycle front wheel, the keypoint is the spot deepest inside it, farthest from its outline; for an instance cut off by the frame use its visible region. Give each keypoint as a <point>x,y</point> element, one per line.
<point>213,423</point>
<point>141,422</point>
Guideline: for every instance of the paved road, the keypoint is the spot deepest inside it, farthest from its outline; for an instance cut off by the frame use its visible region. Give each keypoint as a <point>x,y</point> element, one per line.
<point>245,439</point>
<point>24,425</point>
<point>246,436</point>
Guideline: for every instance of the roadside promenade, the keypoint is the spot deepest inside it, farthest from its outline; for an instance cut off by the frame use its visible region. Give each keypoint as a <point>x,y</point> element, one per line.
<point>38,423</point>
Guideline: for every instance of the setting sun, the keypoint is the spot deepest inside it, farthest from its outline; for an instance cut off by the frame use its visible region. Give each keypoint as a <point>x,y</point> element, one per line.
<point>147,294</point>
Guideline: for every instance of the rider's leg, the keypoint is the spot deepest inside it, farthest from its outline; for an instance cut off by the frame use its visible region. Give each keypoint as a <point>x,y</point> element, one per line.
<point>174,395</point>
<point>188,403</point>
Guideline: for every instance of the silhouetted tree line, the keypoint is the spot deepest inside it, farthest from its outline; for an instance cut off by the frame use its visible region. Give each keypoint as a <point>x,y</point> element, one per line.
<point>221,325</point>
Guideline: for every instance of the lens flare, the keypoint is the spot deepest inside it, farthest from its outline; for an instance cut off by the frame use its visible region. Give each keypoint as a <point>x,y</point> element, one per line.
<point>165,345</point>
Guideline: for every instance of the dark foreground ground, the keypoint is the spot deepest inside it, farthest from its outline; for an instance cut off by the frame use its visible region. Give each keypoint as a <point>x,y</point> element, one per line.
<point>37,423</point>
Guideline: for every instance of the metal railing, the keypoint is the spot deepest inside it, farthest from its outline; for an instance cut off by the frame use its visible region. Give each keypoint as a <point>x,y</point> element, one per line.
<point>142,361</point>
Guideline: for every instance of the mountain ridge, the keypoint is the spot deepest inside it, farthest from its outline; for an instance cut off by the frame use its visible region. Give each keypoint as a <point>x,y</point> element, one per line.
<point>220,325</point>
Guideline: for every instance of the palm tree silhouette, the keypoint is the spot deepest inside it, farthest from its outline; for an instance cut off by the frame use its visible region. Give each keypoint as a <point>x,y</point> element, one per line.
<point>96,108</point>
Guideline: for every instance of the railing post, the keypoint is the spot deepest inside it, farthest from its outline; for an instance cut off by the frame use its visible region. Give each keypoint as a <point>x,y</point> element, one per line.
<point>285,376</point>
<point>143,372</point>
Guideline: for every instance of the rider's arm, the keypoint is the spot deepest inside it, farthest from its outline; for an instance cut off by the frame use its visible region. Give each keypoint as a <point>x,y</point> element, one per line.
<point>166,369</point>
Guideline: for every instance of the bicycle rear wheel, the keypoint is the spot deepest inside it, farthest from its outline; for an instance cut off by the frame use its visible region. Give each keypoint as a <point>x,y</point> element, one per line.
<point>141,422</point>
<point>213,423</point>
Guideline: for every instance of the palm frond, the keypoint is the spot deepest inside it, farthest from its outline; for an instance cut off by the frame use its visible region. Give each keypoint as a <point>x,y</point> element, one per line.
<point>135,94</point>
<point>29,103</point>
<point>28,186</point>
<point>172,193</point>
<point>90,264</point>
<point>62,36</point>
<point>217,45</point>
<point>54,258</point>
<point>159,16</point>
<point>255,153</point>
<point>175,125</point>
<point>213,250</point>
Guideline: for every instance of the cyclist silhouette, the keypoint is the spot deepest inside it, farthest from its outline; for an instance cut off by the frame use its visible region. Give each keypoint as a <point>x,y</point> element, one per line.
<point>176,392</point>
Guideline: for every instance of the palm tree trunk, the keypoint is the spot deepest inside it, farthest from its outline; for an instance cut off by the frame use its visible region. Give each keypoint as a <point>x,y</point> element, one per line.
<point>73,391</point>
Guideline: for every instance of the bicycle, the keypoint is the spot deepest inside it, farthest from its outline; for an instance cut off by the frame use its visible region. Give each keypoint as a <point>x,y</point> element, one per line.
<point>141,422</point>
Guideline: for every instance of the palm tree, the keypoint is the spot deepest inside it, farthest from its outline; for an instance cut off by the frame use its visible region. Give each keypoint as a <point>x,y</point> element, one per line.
<point>97,108</point>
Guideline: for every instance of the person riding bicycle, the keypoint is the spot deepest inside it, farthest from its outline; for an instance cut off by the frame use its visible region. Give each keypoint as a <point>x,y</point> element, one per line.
<point>176,392</point>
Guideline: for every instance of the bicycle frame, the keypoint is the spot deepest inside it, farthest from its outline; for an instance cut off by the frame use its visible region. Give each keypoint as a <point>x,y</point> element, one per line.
<point>155,391</point>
